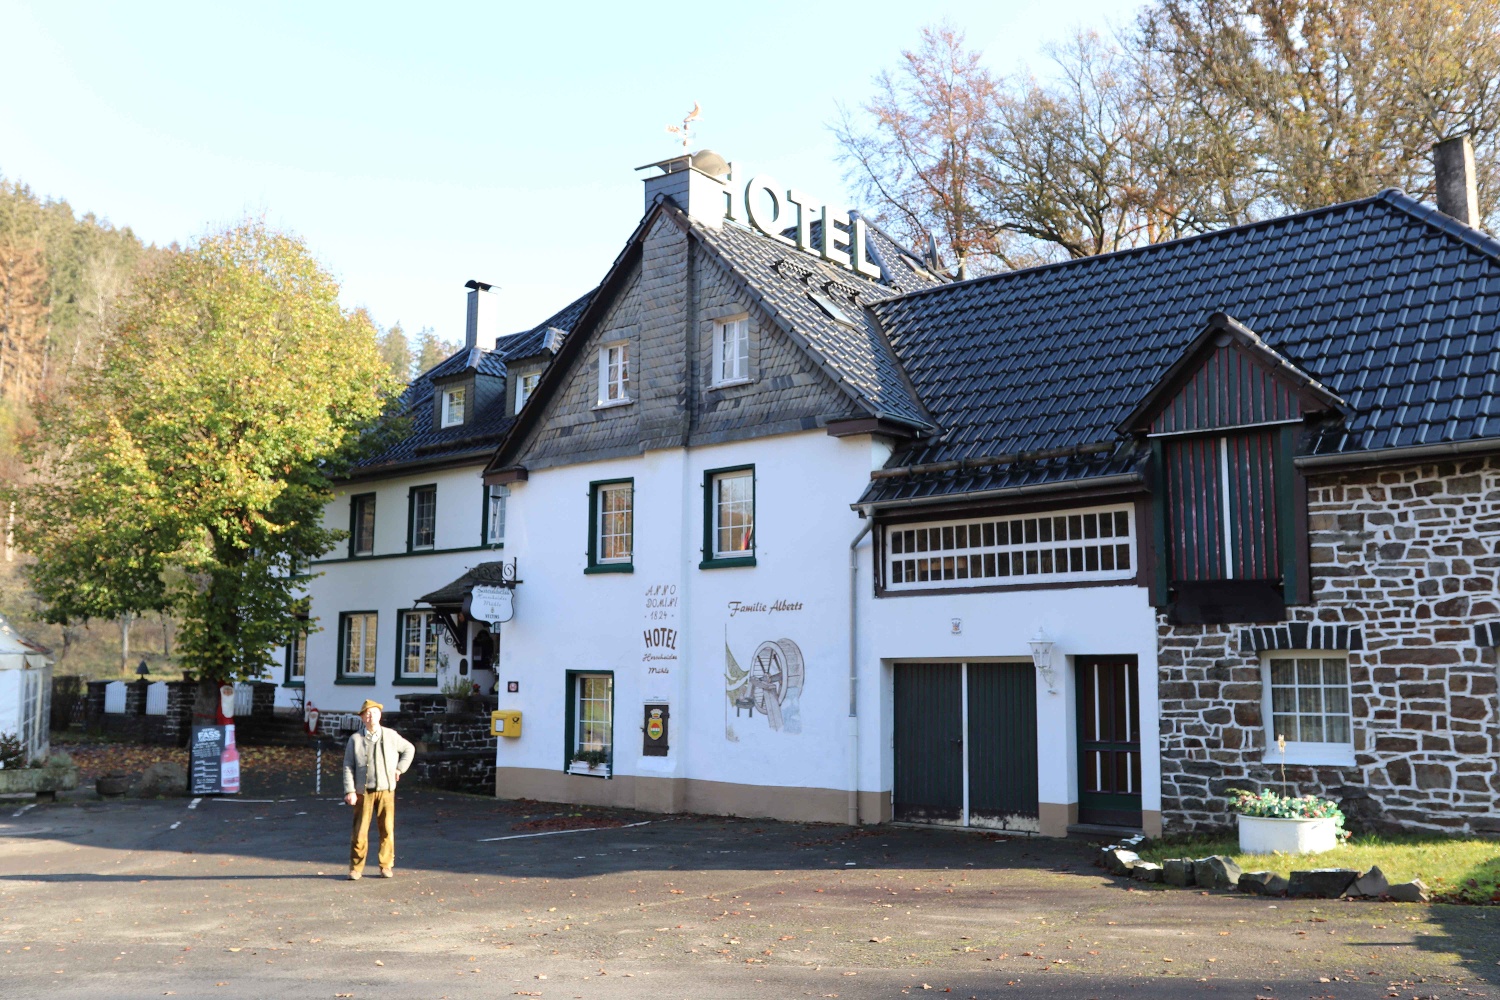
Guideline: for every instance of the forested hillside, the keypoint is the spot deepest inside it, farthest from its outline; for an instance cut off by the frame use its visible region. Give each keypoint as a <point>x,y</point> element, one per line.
<point>61,275</point>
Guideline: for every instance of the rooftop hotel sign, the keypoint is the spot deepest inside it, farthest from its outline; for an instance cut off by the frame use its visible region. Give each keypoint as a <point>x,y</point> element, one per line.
<point>766,205</point>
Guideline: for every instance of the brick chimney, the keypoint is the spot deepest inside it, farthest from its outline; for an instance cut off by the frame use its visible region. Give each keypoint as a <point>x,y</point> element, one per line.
<point>1453,167</point>
<point>484,313</point>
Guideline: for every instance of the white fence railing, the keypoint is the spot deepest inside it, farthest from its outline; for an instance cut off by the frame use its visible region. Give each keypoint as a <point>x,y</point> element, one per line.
<point>114,697</point>
<point>156,698</point>
<point>244,700</point>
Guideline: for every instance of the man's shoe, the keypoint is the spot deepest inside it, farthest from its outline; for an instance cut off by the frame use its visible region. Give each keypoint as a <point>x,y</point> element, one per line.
<point>355,876</point>
<point>387,873</point>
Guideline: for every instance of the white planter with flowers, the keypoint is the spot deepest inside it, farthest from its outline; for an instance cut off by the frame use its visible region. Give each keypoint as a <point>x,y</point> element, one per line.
<point>1284,824</point>
<point>1274,835</point>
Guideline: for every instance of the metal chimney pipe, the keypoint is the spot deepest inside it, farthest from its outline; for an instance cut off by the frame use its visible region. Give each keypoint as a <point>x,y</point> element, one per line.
<point>1453,167</point>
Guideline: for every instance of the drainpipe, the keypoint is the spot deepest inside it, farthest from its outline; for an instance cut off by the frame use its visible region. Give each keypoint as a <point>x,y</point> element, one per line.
<point>854,671</point>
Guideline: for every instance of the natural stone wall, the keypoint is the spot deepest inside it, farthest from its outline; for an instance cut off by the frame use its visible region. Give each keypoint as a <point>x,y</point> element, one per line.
<point>1409,557</point>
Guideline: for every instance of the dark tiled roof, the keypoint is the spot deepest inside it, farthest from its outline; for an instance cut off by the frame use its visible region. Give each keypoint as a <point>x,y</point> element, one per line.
<point>857,356</point>
<point>423,442</point>
<point>1391,306</point>
<point>455,592</point>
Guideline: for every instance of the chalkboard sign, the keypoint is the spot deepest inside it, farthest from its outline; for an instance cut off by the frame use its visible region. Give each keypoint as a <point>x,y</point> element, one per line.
<point>214,761</point>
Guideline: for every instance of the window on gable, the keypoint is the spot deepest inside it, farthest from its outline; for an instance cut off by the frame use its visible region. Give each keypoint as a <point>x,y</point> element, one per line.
<point>1076,545</point>
<point>420,632</point>
<point>494,514</point>
<point>612,526</point>
<point>423,527</point>
<point>1307,702</point>
<point>525,386</point>
<point>362,525</point>
<point>454,399</point>
<point>731,351</point>
<point>614,374</point>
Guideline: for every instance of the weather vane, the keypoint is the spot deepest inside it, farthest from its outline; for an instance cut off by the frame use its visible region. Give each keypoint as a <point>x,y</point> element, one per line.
<point>682,129</point>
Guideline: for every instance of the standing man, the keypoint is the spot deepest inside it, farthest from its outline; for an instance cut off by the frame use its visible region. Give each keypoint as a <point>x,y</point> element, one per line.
<point>374,760</point>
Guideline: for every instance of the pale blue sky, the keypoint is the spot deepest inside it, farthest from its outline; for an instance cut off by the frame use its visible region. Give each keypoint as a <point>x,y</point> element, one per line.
<point>415,146</point>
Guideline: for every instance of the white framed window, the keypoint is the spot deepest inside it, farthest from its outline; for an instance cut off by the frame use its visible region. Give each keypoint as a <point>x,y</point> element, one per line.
<point>614,373</point>
<point>454,399</point>
<point>525,386</point>
<point>420,631</point>
<point>1097,543</point>
<point>593,712</point>
<point>732,351</point>
<point>1306,701</point>
<point>614,523</point>
<point>494,514</point>
<point>358,631</point>
<point>732,514</point>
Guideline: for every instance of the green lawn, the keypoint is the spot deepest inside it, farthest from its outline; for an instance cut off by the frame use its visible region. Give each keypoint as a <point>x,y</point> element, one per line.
<point>1456,869</point>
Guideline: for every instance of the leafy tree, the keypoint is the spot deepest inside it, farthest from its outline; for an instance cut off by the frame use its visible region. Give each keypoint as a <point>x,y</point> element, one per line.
<point>396,353</point>
<point>431,351</point>
<point>1202,114</point>
<point>1339,98</point>
<point>231,388</point>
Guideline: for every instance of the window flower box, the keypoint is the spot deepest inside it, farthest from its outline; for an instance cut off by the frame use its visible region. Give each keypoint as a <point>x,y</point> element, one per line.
<point>588,769</point>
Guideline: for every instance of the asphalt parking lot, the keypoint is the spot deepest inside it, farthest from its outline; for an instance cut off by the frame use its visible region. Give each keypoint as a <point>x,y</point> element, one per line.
<point>246,899</point>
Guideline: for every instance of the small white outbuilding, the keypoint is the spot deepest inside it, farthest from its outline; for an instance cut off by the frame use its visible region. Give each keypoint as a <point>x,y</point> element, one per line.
<point>25,690</point>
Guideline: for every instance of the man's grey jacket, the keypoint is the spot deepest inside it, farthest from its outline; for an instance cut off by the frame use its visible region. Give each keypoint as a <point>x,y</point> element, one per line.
<point>376,762</point>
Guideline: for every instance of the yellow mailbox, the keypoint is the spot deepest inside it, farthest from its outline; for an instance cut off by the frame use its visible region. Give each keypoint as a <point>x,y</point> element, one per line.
<point>506,722</point>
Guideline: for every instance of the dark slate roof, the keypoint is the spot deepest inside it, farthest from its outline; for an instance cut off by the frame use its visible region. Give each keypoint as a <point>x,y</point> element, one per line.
<point>423,442</point>
<point>455,592</point>
<point>1390,305</point>
<point>858,357</point>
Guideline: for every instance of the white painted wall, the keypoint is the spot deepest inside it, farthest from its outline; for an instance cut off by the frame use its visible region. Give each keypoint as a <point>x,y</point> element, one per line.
<point>389,581</point>
<point>1099,620</point>
<point>567,620</point>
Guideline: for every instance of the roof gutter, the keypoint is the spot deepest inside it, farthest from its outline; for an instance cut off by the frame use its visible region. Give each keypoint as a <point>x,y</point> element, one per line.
<point>1010,458</point>
<point>1389,456</point>
<point>1067,486</point>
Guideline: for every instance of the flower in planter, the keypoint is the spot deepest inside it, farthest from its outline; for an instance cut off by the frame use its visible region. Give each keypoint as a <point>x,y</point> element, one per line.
<point>593,758</point>
<point>1269,804</point>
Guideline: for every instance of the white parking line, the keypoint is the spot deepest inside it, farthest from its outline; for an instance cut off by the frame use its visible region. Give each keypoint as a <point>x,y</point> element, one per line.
<point>553,833</point>
<point>175,825</point>
<point>23,809</point>
<point>194,804</point>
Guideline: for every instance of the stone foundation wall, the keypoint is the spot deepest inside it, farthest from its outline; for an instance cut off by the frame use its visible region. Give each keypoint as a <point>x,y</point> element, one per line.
<point>1409,557</point>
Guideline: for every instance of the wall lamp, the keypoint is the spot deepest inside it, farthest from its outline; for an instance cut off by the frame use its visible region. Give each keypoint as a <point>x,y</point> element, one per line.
<point>1041,655</point>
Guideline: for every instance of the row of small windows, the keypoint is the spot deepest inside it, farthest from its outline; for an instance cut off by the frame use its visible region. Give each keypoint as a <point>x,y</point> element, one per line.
<point>417,634</point>
<point>421,532</point>
<point>1083,545</point>
<point>731,364</point>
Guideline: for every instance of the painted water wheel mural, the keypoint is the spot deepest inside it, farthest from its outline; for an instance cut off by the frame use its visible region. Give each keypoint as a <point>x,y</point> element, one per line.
<point>771,686</point>
<point>776,675</point>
